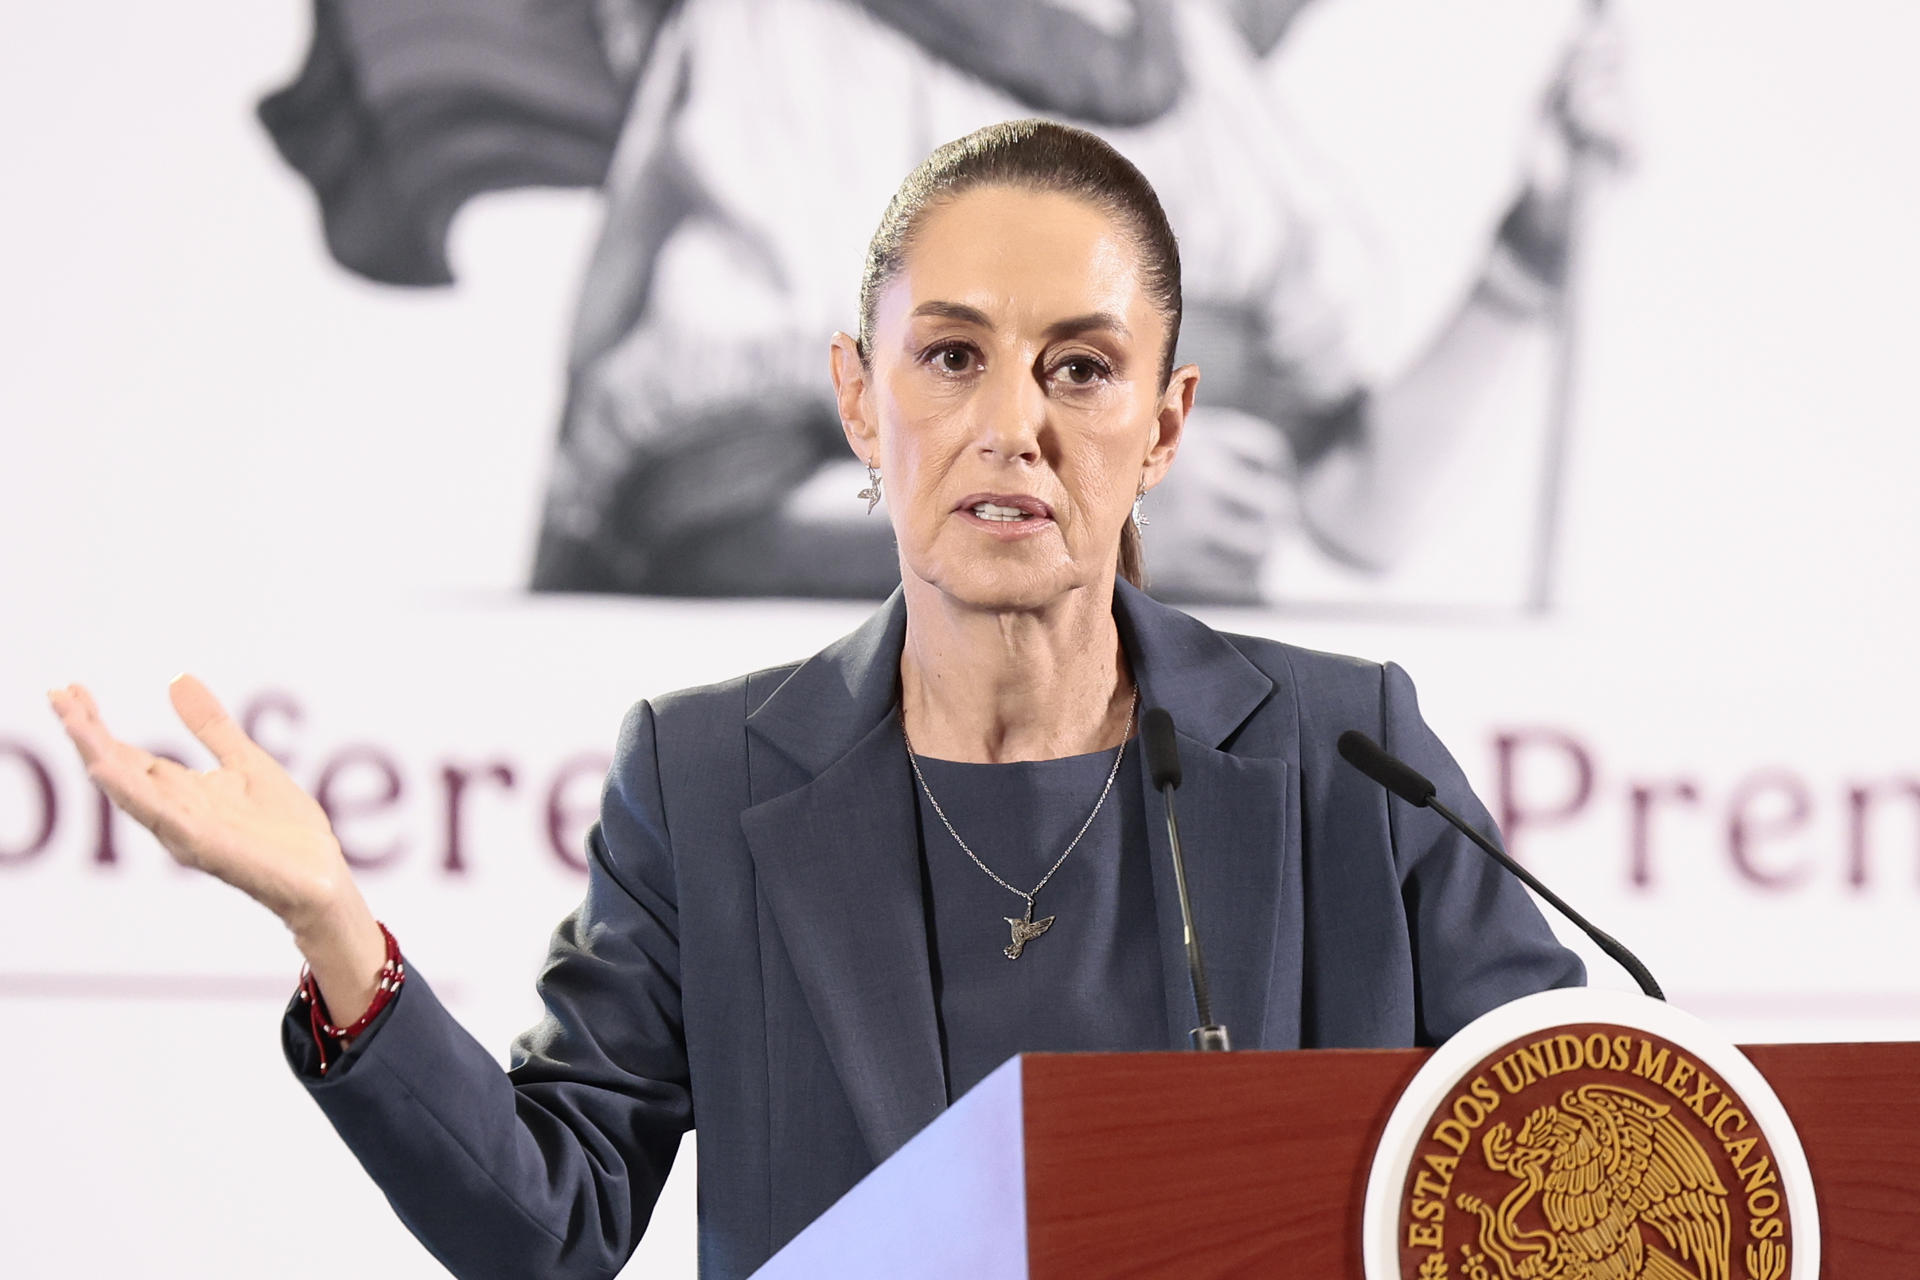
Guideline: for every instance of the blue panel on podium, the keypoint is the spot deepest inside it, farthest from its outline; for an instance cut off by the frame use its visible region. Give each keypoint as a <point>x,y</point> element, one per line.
<point>950,1205</point>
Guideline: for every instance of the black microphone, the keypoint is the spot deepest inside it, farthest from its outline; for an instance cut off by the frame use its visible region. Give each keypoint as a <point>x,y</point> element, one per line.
<point>1163,766</point>
<point>1401,778</point>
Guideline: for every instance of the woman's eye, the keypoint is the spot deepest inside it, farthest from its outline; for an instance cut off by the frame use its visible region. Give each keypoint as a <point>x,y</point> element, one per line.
<point>1081,370</point>
<point>952,359</point>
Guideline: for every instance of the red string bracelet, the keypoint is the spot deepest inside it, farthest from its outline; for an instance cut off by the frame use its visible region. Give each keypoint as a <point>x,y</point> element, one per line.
<point>393,972</point>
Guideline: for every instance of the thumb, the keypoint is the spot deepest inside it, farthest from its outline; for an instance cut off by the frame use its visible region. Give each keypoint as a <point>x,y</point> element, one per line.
<point>201,712</point>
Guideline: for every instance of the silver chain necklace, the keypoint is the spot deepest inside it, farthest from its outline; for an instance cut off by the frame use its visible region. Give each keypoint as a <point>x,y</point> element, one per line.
<point>1025,929</point>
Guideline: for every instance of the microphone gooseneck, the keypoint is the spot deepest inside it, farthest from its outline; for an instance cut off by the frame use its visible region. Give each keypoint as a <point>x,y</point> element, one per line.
<point>1163,753</point>
<point>1163,766</point>
<point>1391,772</point>
<point>1403,780</point>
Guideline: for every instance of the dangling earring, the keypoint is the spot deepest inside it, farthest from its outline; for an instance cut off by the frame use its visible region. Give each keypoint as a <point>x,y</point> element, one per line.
<point>872,492</point>
<point>1140,521</point>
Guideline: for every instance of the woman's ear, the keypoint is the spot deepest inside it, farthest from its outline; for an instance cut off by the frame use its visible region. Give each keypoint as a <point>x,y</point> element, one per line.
<point>1176,402</point>
<point>850,386</point>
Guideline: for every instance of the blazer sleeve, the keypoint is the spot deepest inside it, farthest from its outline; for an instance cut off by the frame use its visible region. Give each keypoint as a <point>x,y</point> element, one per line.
<point>551,1168</point>
<point>1478,939</point>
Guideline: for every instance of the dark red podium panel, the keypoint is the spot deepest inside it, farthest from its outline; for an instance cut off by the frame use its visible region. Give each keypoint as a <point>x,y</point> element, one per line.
<point>1255,1164</point>
<point>1857,1108</point>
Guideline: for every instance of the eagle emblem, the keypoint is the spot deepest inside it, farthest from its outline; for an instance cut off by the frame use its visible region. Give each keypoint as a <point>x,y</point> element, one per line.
<point>1625,1192</point>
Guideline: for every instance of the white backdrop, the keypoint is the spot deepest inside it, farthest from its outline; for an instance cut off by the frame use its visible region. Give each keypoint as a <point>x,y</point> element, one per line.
<point>224,454</point>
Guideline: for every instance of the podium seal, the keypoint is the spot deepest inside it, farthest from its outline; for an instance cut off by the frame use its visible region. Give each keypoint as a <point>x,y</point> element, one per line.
<point>1589,1135</point>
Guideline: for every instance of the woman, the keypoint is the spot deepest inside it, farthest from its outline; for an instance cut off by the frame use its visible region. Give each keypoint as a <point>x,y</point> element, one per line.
<point>825,899</point>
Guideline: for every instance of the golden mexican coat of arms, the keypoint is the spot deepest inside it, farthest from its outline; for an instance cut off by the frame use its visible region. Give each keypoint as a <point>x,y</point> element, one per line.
<point>1587,1154</point>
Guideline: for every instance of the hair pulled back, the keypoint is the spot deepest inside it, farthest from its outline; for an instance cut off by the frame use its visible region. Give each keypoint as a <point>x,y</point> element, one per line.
<point>1039,156</point>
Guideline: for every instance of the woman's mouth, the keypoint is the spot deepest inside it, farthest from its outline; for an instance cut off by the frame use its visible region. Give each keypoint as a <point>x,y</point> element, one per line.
<point>1005,513</point>
<point>993,511</point>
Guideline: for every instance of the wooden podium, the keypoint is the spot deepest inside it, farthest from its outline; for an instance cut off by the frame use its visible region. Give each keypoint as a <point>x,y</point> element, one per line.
<point>1255,1164</point>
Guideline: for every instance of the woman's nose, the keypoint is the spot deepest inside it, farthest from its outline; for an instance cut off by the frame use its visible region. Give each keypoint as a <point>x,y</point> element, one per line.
<point>1011,417</point>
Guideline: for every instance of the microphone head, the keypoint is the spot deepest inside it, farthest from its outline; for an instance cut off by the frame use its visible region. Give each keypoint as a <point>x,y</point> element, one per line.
<point>1391,772</point>
<point>1163,753</point>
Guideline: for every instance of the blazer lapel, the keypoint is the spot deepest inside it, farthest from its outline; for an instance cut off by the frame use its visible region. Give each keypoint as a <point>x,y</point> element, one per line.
<point>1242,872</point>
<point>835,840</point>
<point>1233,823</point>
<point>836,843</point>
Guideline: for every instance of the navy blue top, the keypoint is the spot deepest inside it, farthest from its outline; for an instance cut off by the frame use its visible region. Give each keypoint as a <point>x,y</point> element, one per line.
<point>1093,980</point>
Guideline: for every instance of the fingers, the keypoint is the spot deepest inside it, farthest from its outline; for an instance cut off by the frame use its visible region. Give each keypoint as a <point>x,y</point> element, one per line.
<point>1250,442</point>
<point>1244,513</point>
<point>1265,455</point>
<point>201,712</point>
<point>1244,543</point>
<point>133,779</point>
<point>81,719</point>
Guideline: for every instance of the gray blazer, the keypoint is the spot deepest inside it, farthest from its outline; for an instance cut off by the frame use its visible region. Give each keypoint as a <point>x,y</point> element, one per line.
<point>751,955</point>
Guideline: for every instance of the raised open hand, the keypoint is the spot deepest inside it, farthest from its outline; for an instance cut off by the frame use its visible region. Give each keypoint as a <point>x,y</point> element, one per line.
<point>244,821</point>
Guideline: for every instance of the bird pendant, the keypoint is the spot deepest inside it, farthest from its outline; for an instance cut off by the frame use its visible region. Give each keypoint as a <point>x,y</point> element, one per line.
<point>1025,931</point>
